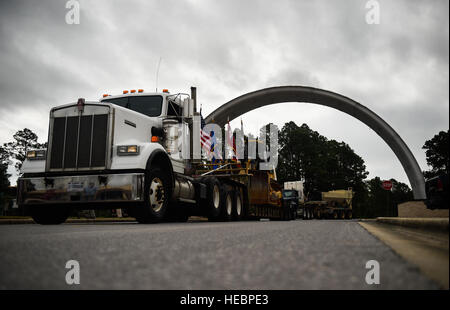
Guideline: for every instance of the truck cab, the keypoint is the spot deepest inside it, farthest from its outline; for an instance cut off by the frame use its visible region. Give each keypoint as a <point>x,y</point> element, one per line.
<point>291,200</point>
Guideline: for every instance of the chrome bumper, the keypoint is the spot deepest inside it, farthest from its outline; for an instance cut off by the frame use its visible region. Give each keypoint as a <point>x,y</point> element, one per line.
<point>81,189</point>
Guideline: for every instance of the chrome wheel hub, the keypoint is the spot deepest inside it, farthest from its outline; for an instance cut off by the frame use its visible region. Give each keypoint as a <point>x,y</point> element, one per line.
<point>216,197</point>
<point>156,194</point>
<point>229,205</point>
<point>238,206</point>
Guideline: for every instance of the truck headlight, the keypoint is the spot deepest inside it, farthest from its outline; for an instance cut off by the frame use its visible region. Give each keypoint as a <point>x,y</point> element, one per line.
<point>36,154</point>
<point>124,150</point>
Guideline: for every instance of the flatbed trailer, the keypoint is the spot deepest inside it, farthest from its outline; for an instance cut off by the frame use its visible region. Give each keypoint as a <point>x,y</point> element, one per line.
<point>335,204</point>
<point>262,195</point>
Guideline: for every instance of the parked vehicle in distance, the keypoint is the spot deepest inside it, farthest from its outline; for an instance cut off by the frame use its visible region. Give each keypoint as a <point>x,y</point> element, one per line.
<point>291,202</point>
<point>336,204</point>
<point>297,187</point>
<point>437,192</point>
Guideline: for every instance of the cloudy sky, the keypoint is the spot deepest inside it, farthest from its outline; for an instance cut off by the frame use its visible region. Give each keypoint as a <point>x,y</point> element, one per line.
<point>398,68</point>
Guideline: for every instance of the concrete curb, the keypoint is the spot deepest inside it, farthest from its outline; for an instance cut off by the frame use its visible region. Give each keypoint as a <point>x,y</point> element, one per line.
<point>434,224</point>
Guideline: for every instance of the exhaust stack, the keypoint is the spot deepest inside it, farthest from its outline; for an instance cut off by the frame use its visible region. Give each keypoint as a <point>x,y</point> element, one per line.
<point>194,97</point>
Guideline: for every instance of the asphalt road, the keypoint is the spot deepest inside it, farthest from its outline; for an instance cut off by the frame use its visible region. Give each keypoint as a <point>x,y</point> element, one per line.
<point>237,255</point>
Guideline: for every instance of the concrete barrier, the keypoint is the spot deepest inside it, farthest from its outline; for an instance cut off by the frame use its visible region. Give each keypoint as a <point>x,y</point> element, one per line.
<point>418,209</point>
<point>434,224</point>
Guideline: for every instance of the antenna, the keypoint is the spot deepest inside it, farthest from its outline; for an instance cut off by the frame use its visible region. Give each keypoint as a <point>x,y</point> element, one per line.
<point>157,73</point>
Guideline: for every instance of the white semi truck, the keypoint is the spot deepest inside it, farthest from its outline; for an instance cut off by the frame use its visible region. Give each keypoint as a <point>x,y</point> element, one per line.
<point>125,152</point>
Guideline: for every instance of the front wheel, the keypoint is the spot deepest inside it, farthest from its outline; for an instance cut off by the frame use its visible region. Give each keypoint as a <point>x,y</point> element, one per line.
<point>294,213</point>
<point>49,215</point>
<point>156,198</point>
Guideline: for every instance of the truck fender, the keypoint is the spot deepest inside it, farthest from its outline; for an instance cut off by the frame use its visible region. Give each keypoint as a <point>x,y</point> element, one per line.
<point>159,158</point>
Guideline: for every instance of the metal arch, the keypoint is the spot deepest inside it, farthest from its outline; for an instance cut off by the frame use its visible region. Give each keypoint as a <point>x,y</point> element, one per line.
<point>273,95</point>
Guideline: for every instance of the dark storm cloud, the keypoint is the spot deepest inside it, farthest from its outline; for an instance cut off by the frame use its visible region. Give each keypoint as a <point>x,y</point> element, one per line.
<point>399,68</point>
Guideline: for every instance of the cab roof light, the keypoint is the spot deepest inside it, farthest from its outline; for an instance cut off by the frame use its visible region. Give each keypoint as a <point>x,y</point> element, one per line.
<point>125,91</point>
<point>140,91</point>
<point>133,91</point>
<point>105,95</point>
<point>165,90</point>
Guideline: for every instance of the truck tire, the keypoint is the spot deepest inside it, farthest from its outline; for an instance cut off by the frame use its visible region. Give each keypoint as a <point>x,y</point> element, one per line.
<point>156,197</point>
<point>294,213</point>
<point>49,215</point>
<point>285,214</point>
<point>319,215</point>
<point>238,209</point>
<point>349,214</point>
<point>227,204</point>
<point>213,199</point>
<point>308,214</point>
<point>335,215</point>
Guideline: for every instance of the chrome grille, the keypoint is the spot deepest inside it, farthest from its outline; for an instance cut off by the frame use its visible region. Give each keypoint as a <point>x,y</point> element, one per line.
<point>78,142</point>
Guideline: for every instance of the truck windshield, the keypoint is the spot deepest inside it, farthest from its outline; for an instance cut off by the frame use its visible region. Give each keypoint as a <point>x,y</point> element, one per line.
<point>148,105</point>
<point>289,194</point>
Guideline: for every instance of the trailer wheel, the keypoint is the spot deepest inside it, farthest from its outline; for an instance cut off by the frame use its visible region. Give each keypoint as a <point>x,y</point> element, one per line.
<point>49,215</point>
<point>156,198</point>
<point>228,204</point>
<point>213,199</point>
<point>238,209</point>
<point>308,214</point>
<point>285,213</point>
<point>335,215</point>
<point>349,214</point>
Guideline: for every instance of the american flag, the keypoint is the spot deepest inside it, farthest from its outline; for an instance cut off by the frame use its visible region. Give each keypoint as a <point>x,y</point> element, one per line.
<point>205,140</point>
<point>208,141</point>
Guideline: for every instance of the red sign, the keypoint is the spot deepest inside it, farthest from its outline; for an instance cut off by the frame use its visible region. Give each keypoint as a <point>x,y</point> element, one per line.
<point>387,185</point>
